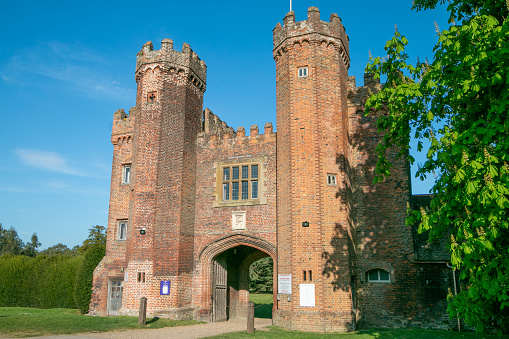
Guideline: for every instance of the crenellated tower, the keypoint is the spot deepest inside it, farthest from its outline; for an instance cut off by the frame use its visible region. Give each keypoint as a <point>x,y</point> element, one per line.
<point>161,215</point>
<point>314,240</point>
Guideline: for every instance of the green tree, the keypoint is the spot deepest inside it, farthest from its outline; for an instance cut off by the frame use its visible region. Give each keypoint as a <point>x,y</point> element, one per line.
<point>58,249</point>
<point>96,236</point>
<point>10,242</point>
<point>459,103</point>
<point>30,248</point>
<point>260,275</point>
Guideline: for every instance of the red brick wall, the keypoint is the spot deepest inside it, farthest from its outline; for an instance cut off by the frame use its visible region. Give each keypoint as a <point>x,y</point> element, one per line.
<point>214,224</point>
<point>312,136</point>
<point>382,239</point>
<point>112,264</point>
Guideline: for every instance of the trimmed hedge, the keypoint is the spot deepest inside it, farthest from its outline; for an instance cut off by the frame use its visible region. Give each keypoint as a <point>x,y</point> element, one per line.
<point>84,276</point>
<point>48,281</point>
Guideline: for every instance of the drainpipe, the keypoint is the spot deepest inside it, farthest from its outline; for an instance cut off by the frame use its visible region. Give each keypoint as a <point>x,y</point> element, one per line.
<point>455,291</point>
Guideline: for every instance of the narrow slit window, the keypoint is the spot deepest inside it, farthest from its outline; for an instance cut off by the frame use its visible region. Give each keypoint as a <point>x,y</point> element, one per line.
<point>126,174</point>
<point>122,230</point>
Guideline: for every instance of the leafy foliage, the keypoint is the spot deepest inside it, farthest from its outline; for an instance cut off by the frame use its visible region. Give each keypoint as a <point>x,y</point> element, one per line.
<point>459,103</point>
<point>58,249</point>
<point>37,282</point>
<point>11,243</point>
<point>96,236</point>
<point>93,249</point>
<point>260,275</point>
<point>56,277</point>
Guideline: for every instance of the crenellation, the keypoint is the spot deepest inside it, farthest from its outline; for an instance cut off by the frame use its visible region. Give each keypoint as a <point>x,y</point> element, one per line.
<point>268,128</point>
<point>314,14</point>
<point>241,131</point>
<point>313,30</point>
<point>169,58</point>
<point>253,131</point>
<point>357,96</point>
<point>123,125</point>
<point>212,136</point>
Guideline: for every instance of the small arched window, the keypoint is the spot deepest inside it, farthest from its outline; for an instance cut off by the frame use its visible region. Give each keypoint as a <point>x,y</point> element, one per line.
<point>378,275</point>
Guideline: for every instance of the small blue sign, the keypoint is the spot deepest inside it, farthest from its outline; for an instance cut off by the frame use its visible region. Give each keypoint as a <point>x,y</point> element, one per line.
<point>165,288</point>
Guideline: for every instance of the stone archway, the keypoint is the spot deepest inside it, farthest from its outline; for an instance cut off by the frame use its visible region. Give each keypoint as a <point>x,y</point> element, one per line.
<point>223,288</point>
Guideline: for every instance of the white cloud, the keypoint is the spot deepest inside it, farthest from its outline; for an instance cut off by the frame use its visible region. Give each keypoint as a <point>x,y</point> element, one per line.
<point>56,184</point>
<point>80,69</point>
<point>49,161</point>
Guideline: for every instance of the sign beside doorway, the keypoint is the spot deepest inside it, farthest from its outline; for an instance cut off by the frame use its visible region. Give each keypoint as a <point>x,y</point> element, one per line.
<point>284,283</point>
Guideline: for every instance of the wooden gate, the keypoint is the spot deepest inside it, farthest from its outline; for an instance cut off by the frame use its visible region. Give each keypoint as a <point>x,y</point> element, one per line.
<point>220,289</point>
<point>115,296</point>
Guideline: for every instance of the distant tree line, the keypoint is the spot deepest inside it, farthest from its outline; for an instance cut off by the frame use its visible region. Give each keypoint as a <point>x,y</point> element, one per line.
<point>51,278</point>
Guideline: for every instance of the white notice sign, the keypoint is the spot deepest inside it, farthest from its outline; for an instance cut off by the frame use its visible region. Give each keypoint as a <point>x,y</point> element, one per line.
<point>284,283</point>
<point>307,295</point>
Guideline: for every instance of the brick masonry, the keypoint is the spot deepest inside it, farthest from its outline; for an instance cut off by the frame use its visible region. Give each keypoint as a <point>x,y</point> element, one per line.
<point>317,169</point>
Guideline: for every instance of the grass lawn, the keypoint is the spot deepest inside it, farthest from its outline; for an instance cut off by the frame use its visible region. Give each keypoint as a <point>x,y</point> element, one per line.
<point>263,304</point>
<point>19,322</point>
<point>403,333</point>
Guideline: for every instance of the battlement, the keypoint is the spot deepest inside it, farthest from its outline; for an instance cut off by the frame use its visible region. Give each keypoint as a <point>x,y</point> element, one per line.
<point>186,59</point>
<point>313,25</point>
<point>358,95</point>
<point>212,125</point>
<point>216,132</point>
<point>123,125</point>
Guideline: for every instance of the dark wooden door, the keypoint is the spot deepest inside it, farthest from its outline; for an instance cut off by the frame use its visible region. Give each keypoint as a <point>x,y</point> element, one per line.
<point>219,293</point>
<point>115,296</point>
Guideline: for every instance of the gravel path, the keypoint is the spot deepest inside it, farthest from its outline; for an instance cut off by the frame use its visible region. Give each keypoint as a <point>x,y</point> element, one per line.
<point>180,332</point>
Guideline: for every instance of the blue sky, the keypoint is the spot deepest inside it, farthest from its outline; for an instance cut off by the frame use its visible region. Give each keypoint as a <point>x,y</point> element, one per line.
<point>65,67</point>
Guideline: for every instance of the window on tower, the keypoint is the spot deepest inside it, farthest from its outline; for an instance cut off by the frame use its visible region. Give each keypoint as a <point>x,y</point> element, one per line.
<point>302,72</point>
<point>122,230</point>
<point>126,173</point>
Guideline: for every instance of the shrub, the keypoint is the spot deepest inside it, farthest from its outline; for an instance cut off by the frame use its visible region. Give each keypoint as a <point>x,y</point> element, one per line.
<point>84,276</point>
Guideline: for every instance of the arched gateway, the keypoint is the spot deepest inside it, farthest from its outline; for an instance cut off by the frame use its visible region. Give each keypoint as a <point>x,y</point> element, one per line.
<point>225,263</point>
<point>194,202</point>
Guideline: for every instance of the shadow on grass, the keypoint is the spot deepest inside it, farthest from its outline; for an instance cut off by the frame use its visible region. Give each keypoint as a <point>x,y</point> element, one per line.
<point>153,320</point>
<point>263,311</point>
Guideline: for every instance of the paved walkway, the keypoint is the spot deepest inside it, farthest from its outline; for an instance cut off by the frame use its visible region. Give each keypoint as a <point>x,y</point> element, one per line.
<point>180,332</point>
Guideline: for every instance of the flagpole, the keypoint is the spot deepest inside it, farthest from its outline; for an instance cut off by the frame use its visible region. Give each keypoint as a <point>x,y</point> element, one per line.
<point>290,5</point>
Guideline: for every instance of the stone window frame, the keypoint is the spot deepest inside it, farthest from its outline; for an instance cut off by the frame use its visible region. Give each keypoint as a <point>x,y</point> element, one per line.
<point>379,279</point>
<point>126,174</point>
<point>332,179</point>
<point>303,72</point>
<point>260,200</point>
<point>122,236</point>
